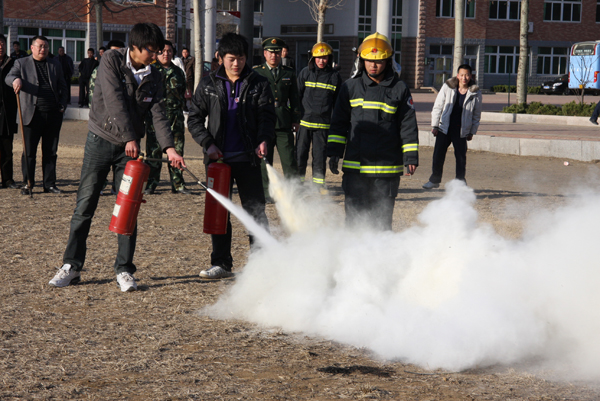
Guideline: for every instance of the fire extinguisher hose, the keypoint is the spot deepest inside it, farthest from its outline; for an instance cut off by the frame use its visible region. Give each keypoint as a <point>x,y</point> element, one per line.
<point>184,169</point>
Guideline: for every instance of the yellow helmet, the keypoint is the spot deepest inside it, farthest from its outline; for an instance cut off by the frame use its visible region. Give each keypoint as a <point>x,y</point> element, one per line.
<point>375,47</point>
<point>321,49</point>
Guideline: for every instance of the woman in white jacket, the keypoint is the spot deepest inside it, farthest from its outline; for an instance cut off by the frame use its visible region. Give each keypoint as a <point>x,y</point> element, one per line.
<point>455,119</point>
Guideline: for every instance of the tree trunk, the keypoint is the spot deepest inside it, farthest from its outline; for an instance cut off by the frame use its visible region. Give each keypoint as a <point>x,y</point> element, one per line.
<point>198,49</point>
<point>99,35</point>
<point>459,22</point>
<point>523,53</point>
<point>182,37</point>
<point>171,22</point>
<point>321,19</point>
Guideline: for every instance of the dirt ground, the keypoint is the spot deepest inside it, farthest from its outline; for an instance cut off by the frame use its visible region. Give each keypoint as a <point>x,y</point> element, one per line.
<point>90,341</point>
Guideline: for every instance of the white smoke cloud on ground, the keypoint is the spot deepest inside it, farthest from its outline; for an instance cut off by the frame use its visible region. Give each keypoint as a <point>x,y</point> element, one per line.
<point>446,293</point>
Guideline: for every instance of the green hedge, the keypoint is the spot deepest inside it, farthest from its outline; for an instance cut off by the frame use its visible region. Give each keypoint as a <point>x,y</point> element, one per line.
<point>513,89</point>
<point>568,109</point>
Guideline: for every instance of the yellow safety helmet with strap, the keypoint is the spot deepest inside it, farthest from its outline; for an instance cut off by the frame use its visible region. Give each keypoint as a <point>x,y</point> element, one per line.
<point>375,47</point>
<point>321,49</point>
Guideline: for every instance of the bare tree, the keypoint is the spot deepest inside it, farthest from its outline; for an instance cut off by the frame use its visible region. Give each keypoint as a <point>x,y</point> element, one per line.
<point>318,8</point>
<point>581,74</point>
<point>459,37</point>
<point>523,54</point>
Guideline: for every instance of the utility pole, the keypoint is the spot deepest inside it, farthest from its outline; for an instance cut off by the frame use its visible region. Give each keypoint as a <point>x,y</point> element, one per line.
<point>99,36</point>
<point>523,54</point>
<point>2,24</point>
<point>459,37</point>
<point>210,29</point>
<point>384,12</point>
<point>247,24</point>
<point>198,48</point>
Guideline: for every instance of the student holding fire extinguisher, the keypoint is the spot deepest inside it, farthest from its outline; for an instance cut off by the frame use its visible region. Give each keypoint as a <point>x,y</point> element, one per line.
<point>127,88</point>
<point>241,123</point>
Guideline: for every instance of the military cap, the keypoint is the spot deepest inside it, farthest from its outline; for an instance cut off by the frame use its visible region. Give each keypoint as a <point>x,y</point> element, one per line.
<point>273,44</point>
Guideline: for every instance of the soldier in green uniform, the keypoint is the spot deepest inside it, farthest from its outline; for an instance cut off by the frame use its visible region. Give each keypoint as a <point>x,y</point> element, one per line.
<point>174,81</point>
<point>287,107</point>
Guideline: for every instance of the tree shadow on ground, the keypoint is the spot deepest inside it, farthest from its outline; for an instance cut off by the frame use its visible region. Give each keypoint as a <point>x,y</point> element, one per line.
<point>365,370</point>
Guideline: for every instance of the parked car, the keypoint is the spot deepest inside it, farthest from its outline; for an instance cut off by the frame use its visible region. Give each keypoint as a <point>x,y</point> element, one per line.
<point>557,86</point>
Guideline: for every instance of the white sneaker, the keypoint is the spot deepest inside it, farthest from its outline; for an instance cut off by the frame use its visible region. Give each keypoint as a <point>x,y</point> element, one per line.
<point>430,185</point>
<point>126,282</point>
<point>66,276</point>
<point>215,273</point>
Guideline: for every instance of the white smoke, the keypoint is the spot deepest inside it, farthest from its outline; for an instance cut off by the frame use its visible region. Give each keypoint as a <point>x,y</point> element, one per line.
<point>446,293</point>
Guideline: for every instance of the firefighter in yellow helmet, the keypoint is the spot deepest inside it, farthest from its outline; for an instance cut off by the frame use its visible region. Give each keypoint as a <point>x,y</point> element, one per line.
<point>318,86</point>
<point>374,128</point>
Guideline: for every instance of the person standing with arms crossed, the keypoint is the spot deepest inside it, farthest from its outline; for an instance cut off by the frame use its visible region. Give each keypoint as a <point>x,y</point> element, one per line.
<point>455,119</point>
<point>287,108</point>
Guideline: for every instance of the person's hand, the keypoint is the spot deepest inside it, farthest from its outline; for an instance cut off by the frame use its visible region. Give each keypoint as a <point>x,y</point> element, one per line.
<point>434,131</point>
<point>410,169</point>
<point>261,150</point>
<point>469,137</point>
<point>295,127</point>
<point>333,164</point>
<point>175,159</point>
<point>17,83</point>
<point>213,152</point>
<point>132,149</point>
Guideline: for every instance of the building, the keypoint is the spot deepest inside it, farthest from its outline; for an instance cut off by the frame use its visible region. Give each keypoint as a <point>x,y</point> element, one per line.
<point>422,32</point>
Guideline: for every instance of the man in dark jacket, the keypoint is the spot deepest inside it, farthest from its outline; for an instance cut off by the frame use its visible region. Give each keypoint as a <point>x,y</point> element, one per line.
<point>318,85</point>
<point>241,123</point>
<point>86,67</point>
<point>66,62</point>
<point>374,127</point>
<point>8,118</point>
<point>17,52</point>
<point>127,89</point>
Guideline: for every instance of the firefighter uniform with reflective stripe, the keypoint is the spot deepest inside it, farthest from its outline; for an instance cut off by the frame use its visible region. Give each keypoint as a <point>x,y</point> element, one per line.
<point>318,89</point>
<point>374,128</point>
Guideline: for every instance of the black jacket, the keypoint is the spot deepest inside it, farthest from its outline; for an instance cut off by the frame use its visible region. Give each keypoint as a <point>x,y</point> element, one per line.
<point>318,89</point>
<point>8,101</point>
<point>86,67</point>
<point>256,114</point>
<point>376,126</point>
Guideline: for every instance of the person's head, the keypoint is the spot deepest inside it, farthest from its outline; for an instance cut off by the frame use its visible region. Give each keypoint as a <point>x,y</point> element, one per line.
<point>233,51</point>
<point>464,75</point>
<point>90,52</point>
<point>285,50</point>
<point>167,54</point>
<point>185,52</point>
<point>101,51</point>
<point>214,64</point>
<point>2,46</point>
<point>322,54</point>
<point>272,51</point>
<point>115,44</point>
<point>146,40</point>
<point>61,51</point>
<point>16,46</point>
<point>375,54</point>
<point>39,48</point>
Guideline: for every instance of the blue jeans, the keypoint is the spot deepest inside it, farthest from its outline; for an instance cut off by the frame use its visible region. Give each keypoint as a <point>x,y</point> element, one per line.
<point>98,158</point>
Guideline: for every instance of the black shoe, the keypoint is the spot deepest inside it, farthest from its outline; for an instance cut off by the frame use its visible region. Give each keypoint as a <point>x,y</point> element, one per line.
<point>593,121</point>
<point>12,185</point>
<point>52,190</point>
<point>183,191</point>
<point>149,191</point>
<point>24,190</point>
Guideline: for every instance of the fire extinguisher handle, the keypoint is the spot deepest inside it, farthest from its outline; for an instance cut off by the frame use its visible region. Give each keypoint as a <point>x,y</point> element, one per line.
<point>194,177</point>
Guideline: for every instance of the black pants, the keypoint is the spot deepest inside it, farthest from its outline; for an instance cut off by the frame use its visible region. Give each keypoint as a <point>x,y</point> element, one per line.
<point>84,92</point>
<point>248,179</point>
<point>68,80</point>
<point>370,200</point>
<point>596,112</point>
<point>6,158</point>
<point>44,126</point>
<point>442,142</point>
<point>319,152</point>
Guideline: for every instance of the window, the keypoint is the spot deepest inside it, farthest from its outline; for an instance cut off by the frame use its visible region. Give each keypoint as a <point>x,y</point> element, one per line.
<point>364,19</point>
<point>108,36</point>
<point>552,60</point>
<point>506,9</point>
<point>227,5</point>
<point>445,8</point>
<point>470,57</point>
<point>501,59</point>
<point>72,39</point>
<point>305,29</point>
<point>598,11</point>
<point>335,45</point>
<point>257,31</point>
<point>397,29</point>
<point>562,10</point>
<point>258,6</point>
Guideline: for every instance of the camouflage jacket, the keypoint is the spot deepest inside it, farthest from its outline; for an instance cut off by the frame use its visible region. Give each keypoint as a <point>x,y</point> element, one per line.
<point>93,84</point>
<point>174,91</point>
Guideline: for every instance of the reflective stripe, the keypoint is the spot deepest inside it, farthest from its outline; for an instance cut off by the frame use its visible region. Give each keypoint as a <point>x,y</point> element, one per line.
<point>373,105</point>
<point>336,139</point>
<point>318,180</point>
<point>302,179</point>
<point>410,147</point>
<point>320,85</point>
<point>372,169</point>
<point>314,125</point>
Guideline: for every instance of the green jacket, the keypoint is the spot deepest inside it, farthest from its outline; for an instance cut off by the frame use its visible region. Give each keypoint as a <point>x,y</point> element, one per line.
<point>174,91</point>
<point>285,95</point>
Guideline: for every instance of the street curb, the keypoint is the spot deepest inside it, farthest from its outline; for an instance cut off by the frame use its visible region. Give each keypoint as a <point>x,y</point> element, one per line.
<point>498,117</point>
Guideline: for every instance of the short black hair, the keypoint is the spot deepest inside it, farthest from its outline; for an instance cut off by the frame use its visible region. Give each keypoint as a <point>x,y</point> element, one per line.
<point>91,50</point>
<point>40,37</point>
<point>185,48</point>
<point>16,42</point>
<point>168,42</point>
<point>102,48</point>
<point>286,47</point>
<point>464,67</point>
<point>2,37</point>
<point>115,43</point>
<point>146,34</point>
<point>233,43</point>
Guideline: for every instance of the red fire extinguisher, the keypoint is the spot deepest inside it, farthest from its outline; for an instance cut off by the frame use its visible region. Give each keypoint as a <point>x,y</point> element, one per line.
<point>215,215</point>
<point>129,198</point>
